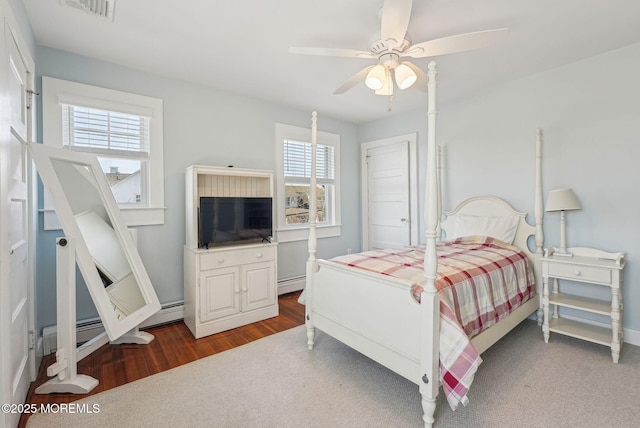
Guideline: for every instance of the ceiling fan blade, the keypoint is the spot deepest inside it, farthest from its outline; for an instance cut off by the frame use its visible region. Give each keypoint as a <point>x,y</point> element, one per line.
<point>422,78</point>
<point>458,43</point>
<point>394,21</point>
<point>354,80</point>
<point>352,53</point>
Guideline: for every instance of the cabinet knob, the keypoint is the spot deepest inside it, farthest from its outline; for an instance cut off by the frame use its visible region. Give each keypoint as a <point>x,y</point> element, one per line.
<point>578,273</point>
<point>259,255</point>
<point>220,260</point>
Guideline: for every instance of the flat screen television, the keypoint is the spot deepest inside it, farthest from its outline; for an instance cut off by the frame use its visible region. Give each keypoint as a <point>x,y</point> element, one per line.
<point>228,220</point>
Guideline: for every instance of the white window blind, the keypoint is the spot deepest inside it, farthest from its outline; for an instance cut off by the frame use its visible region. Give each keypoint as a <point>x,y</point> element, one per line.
<point>104,131</point>
<point>297,160</point>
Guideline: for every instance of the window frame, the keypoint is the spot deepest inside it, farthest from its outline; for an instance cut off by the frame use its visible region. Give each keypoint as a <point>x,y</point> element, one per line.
<point>56,92</point>
<point>300,231</point>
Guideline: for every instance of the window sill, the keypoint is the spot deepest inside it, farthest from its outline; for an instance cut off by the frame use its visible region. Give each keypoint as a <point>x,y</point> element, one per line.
<point>146,216</point>
<point>302,233</point>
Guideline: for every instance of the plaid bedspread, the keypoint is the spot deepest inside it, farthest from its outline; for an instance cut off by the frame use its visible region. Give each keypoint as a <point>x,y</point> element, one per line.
<point>480,281</point>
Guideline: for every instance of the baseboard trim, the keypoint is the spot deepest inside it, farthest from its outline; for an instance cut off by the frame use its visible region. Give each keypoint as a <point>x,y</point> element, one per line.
<point>290,285</point>
<point>631,337</point>
<point>90,328</point>
<point>170,312</point>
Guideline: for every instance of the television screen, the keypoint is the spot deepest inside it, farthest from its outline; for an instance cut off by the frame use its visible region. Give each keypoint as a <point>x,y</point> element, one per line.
<point>225,220</point>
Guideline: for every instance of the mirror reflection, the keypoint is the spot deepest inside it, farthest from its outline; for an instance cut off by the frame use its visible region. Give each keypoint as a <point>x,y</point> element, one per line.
<point>82,193</point>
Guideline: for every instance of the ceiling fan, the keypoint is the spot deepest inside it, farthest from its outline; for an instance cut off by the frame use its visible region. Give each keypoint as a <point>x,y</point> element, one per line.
<point>392,44</point>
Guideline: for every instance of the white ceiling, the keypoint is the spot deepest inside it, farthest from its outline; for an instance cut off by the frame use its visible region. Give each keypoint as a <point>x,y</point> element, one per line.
<point>242,45</point>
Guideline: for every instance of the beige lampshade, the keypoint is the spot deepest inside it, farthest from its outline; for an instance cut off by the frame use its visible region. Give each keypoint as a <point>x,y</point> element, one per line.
<point>562,200</point>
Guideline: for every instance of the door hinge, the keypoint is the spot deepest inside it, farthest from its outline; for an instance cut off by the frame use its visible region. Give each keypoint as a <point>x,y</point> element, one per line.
<point>32,339</point>
<point>30,94</point>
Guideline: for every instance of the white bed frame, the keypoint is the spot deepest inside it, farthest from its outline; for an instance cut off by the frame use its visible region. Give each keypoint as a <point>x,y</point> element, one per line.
<point>376,314</point>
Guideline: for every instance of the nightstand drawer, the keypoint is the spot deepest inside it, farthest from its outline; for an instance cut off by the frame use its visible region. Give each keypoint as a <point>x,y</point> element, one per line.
<point>580,273</point>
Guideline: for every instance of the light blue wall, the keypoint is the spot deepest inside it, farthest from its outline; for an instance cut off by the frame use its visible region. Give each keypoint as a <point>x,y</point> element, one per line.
<point>24,26</point>
<point>590,116</point>
<point>201,126</point>
<point>588,111</point>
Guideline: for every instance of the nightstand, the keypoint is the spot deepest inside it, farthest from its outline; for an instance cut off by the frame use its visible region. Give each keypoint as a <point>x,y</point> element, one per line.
<point>587,266</point>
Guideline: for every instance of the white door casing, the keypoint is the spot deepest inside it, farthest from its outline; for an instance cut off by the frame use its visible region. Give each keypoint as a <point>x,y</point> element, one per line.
<point>389,193</point>
<point>16,224</point>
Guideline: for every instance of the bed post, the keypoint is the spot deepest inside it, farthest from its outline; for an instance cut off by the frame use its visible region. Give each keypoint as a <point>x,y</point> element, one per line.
<point>312,264</point>
<point>538,201</point>
<point>430,301</point>
<point>439,186</point>
<point>539,236</point>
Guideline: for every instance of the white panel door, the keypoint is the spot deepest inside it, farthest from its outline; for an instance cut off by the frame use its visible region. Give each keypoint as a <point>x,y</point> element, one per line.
<point>16,342</point>
<point>388,196</point>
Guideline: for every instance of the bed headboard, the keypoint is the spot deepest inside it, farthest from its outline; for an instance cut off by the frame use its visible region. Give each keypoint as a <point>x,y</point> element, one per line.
<point>491,206</point>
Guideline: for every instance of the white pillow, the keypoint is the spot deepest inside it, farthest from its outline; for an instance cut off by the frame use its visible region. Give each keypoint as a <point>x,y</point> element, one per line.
<point>499,227</point>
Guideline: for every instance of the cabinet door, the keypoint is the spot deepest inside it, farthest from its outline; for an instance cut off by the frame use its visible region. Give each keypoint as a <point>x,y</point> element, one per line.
<point>259,288</point>
<point>219,293</point>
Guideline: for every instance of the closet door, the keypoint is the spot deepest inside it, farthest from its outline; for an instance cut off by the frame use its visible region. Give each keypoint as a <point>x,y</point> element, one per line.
<point>388,198</point>
<point>16,295</point>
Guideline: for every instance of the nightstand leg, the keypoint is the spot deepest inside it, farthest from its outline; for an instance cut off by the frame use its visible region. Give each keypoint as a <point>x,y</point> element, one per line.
<point>555,291</point>
<point>545,309</point>
<point>616,329</point>
<point>615,352</point>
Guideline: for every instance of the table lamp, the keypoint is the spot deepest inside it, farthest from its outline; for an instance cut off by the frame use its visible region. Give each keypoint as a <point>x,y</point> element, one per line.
<point>562,200</point>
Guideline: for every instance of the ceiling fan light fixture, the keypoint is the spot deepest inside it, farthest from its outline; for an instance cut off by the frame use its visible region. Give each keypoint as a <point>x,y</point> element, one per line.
<point>405,76</point>
<point>391,44</point>
<point>387,86</point>
<point>375,78</point>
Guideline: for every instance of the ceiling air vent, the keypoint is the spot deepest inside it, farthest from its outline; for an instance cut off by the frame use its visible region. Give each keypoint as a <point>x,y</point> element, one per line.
<point>102,8</point>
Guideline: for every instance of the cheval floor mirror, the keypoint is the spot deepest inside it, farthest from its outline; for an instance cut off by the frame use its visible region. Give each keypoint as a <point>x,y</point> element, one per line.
<point>95,239</point>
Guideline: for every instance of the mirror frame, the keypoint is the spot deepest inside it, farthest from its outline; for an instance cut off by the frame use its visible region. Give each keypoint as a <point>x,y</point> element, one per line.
<point>115,326</point>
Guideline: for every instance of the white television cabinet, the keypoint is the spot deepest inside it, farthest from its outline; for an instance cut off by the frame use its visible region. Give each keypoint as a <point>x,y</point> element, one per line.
<point>231,285</point>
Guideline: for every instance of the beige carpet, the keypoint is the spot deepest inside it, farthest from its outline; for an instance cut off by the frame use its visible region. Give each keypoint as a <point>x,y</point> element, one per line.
<point>277,382</point>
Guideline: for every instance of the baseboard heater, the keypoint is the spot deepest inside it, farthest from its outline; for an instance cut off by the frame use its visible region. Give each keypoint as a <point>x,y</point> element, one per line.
<point>290,285</point>
<point>170,312</point>
<point>88,329</point>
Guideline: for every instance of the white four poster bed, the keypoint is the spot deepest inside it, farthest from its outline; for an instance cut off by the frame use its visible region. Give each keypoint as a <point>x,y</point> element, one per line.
<point>380,315</point>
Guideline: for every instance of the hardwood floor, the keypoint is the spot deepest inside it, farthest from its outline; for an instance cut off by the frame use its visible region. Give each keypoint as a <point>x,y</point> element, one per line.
<point>174,345</point>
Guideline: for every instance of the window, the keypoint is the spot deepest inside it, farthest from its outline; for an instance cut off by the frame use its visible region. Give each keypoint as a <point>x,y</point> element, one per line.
<point>121,142</point>
<point>297,173</point>
<point>125,132</point>
<point>294,178</point>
